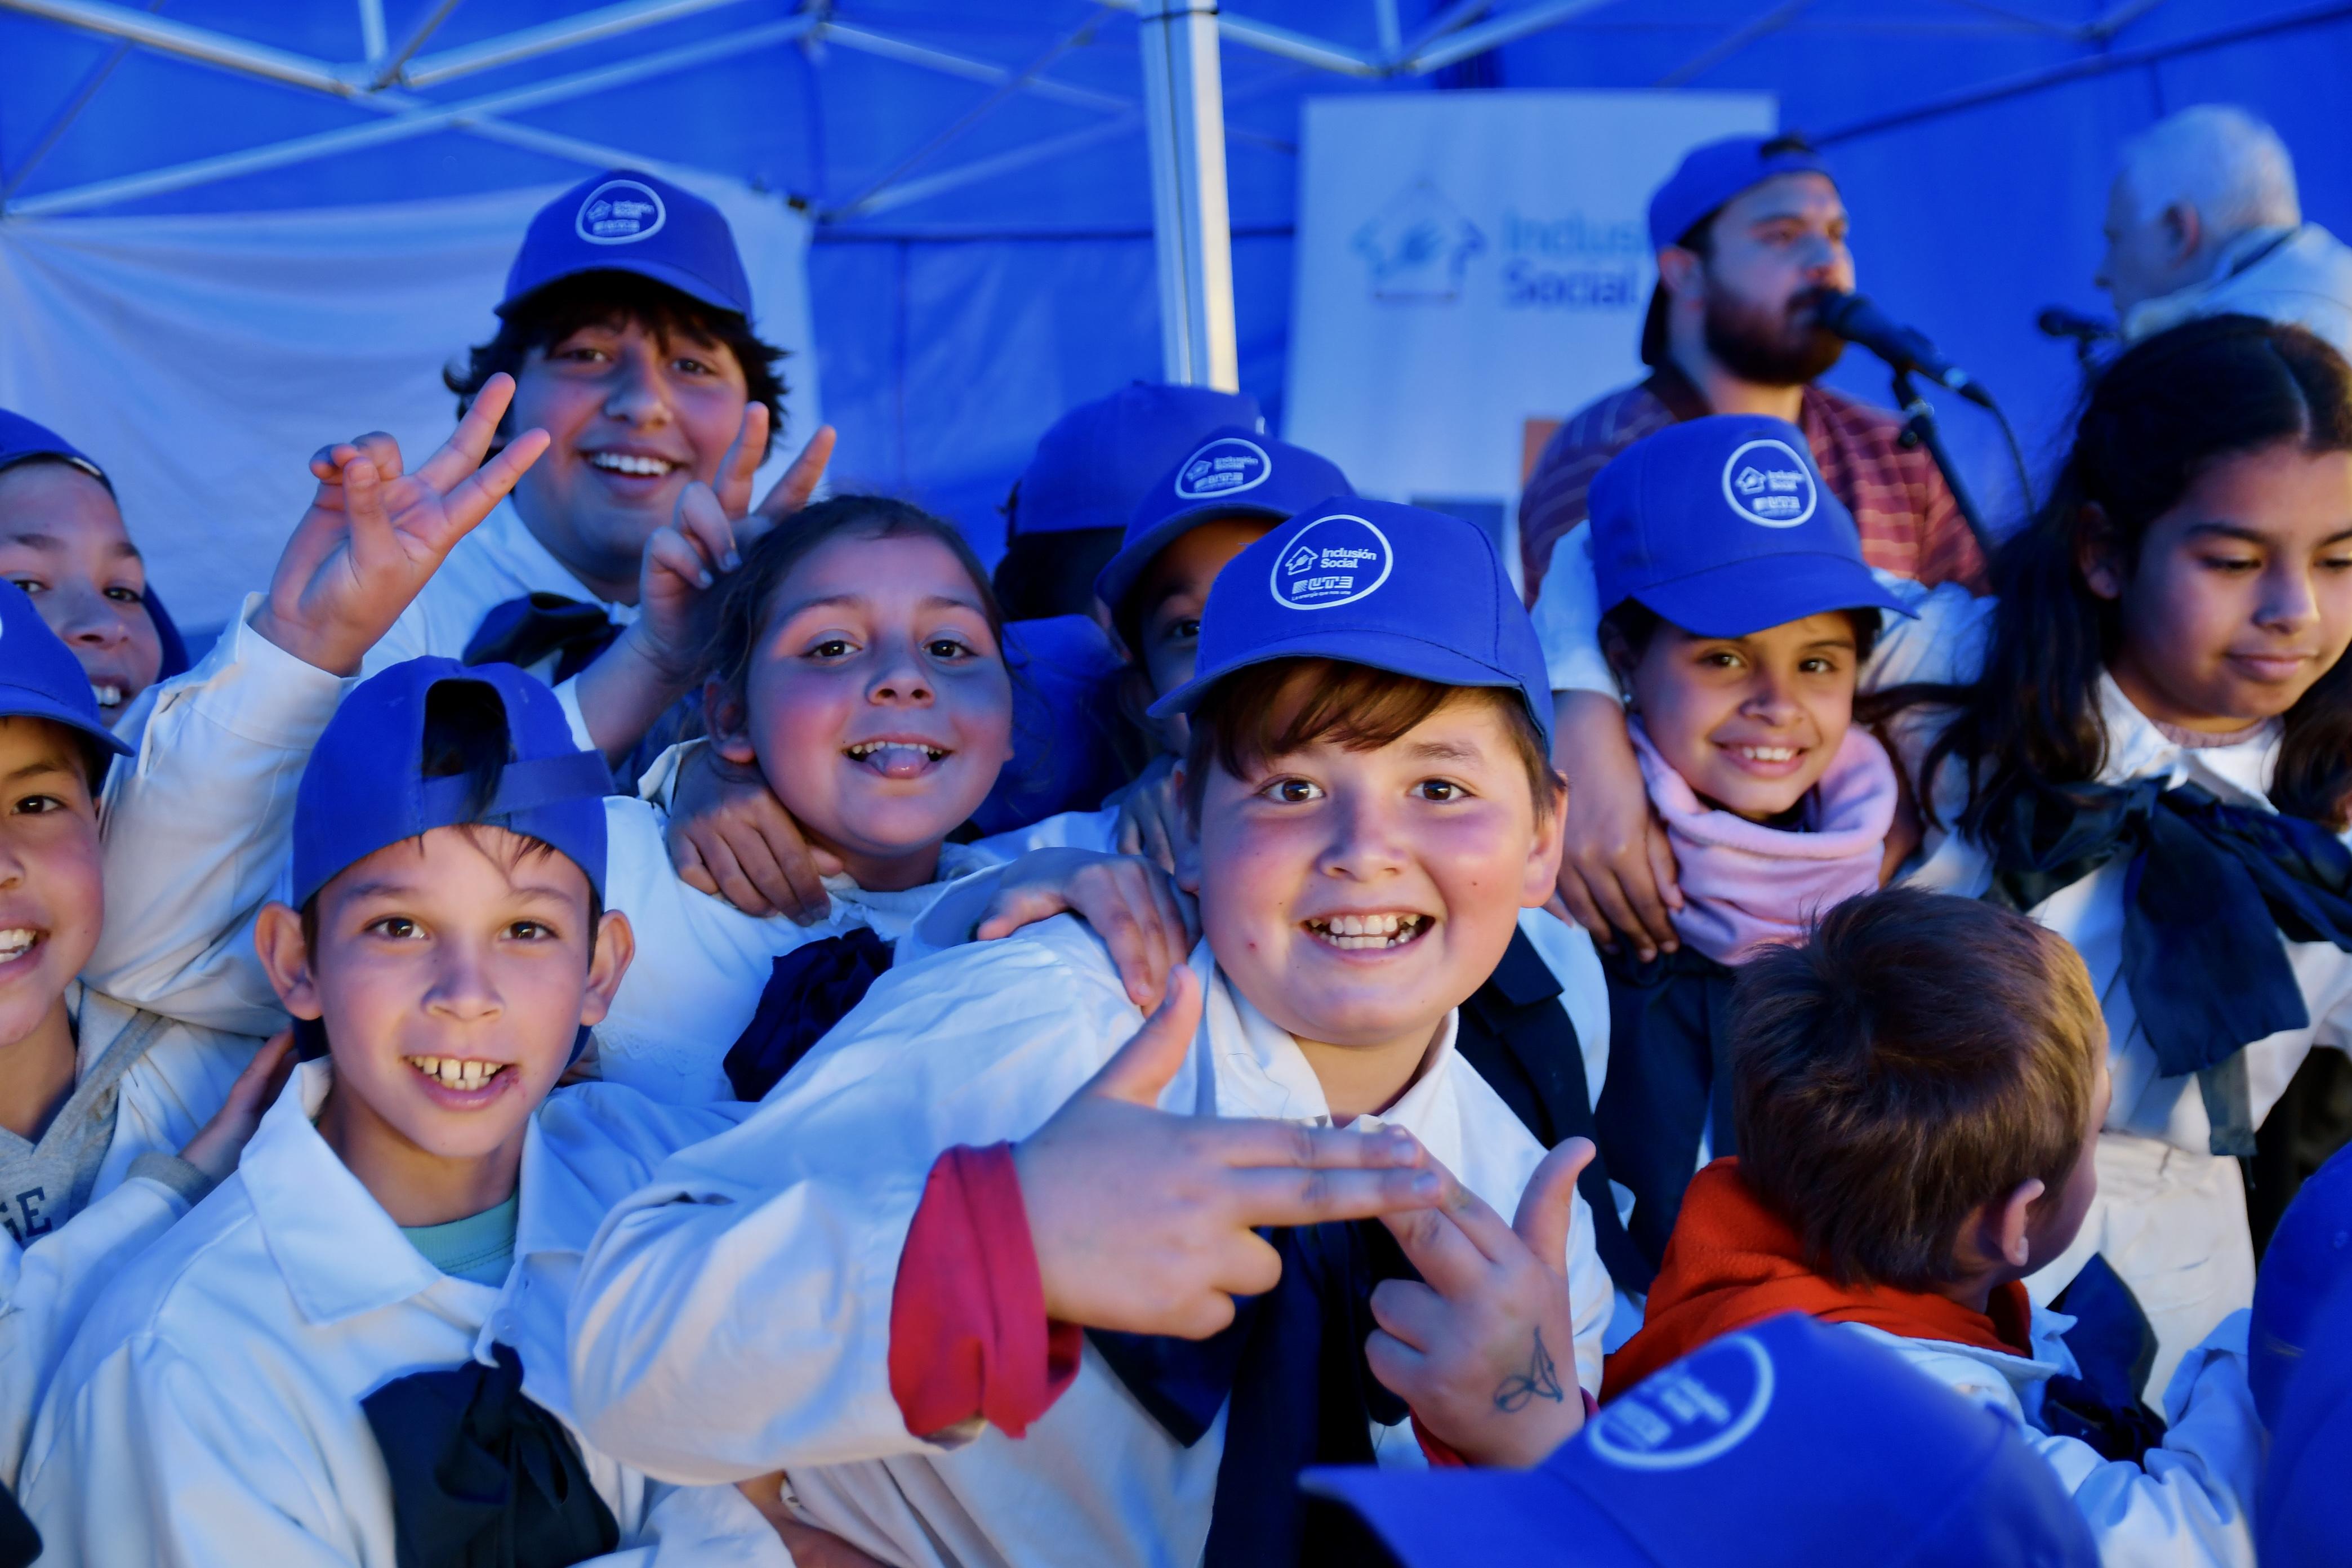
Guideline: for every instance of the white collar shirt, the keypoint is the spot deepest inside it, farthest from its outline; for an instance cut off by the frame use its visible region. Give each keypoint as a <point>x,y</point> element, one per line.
<point>500,559</point>
<point>2301,274</point>
<point>764,1259</point>
<point>208,1412</point>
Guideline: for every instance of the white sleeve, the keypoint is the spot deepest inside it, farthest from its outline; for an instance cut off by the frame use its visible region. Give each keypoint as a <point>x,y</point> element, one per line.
<point>198,831</point>
<point>1567,617</point>
<point>191,1479</point>
<point>1942,643</point>
<point>1097,830</point>
<point>700,1527</point>
<point>45,1291</point>
<point>765,1259</point>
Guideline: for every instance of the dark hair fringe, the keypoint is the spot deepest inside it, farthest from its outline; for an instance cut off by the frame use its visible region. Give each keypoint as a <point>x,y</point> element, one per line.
<point>592,298</point>
<point>2158,418</point>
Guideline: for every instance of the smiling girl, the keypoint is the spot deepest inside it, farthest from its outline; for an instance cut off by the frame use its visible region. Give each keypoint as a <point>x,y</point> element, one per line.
<point>2157,762</point>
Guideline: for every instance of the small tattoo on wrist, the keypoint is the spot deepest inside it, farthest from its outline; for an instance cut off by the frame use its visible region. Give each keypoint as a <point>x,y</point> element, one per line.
<point>1540,1381</point>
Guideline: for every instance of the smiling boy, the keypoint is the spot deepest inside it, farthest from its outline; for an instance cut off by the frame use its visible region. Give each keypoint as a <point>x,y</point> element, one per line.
<point>626,326</point>
<point>1377,820</point>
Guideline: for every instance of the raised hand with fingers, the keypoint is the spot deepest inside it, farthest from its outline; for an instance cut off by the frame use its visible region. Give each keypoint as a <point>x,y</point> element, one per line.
<point>1147,921</point>
<point>219,1141</point>
<point>1483,1348</point>
<point>1143,1221</point>
<point>374,535</point>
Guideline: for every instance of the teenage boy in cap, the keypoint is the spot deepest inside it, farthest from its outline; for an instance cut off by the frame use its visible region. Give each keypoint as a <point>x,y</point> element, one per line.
<point>62,540</point>
<point>1224,493</point>
<point>1788,1445</point>
<point>113,1119</point>
<point>1918,1091</point>
<point>1367,769</point>
<point>626,326</point>
<point>1747,230</point>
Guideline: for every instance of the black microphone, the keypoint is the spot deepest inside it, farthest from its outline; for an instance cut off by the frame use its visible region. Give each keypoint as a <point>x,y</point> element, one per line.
<point>2058,321</point>
<point>1857,320</point>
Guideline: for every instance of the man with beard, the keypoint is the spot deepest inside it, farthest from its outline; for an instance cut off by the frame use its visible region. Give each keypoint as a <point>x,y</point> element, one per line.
<point>1748,231</point>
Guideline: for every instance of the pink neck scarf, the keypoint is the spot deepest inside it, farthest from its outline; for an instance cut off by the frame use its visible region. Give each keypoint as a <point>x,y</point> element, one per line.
<point>1745,885</point>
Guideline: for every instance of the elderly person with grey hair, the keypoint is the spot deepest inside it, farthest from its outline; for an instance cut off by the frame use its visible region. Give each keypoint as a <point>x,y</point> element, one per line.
<point>2203,220</point>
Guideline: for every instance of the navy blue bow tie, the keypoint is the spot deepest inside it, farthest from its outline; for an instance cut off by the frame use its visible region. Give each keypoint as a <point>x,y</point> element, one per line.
<point>809,990</point>
<point>523,632</point>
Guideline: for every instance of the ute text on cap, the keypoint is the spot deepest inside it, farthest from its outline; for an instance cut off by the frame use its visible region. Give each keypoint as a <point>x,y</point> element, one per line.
<point>1695,1411</point>
<point>1767,483</point>
<point>1331,562</point>
<point>1226,466</point>
<point>620,212</point>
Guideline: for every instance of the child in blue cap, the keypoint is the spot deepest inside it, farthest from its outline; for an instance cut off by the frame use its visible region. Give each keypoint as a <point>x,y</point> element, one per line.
<point>63,542</point>
<point>1367,769</point>
<point>1738,611</point>
<point>113,1118</point>
<point>383,1284</point>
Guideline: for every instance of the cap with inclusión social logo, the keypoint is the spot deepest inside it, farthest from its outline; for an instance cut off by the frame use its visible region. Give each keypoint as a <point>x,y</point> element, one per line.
<point>1234,472</point>
<point>624,220</point>
<point>1724,527</point>
<point>1372,582</point>
<point>2308,1257</point>
<point>22,440</point>
<point>364,788</point>
<point>1790,1443</point>
<point>40,678</point>
<point>1096,462</point>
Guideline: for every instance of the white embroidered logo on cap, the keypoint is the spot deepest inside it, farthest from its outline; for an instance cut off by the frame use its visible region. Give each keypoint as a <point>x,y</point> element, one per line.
<point>621,212</point>
<point>1698,1410</point>
<point>1226,466</point>
<point>1766,482</point>
<point>1333,561</point>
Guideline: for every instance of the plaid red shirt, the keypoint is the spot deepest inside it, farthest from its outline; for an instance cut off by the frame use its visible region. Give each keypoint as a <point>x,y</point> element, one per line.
<point>1910,524</point>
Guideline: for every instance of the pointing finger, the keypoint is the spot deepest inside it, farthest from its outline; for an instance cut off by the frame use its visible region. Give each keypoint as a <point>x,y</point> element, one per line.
<point>800,480</point>
<point>733,480</point>
<point>462,452</point>
<point>472,500</point>
<point>1547,1203</point>
<point>1145,1064</point>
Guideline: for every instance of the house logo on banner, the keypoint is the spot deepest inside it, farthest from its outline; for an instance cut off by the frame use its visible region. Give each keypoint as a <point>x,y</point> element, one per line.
<point>1330,561</point>
<point>620,212</point>
<point>1418,247</point>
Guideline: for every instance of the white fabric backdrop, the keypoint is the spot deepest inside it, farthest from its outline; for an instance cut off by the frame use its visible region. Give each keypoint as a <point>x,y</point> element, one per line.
<point>1469,261</point>
<point>202,360</point>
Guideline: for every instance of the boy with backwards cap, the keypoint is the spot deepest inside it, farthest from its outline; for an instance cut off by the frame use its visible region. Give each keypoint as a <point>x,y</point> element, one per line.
<point>355,1353</point>
<point>1377,816</point>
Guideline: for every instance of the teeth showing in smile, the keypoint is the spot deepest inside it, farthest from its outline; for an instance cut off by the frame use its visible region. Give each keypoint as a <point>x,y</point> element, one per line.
<point>866,748</point>
<point>108,696</point>
<point>16,942</point>
<point>1355,932</point>
<point>450,1072</point>
<point>1768,754</point>
<point>629,463</point>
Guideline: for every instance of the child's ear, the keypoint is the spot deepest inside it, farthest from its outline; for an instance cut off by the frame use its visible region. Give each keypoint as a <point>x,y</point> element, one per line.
<point>2004,1228</point>
<point>286,958</point>
<point>1542,873</point>
<point>724,716</point>
<point>2098,555</point>
<point>616,946</point>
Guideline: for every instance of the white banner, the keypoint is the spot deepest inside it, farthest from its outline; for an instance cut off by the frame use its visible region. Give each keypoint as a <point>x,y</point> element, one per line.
<point>1469,261</point>
<point>202,360</point>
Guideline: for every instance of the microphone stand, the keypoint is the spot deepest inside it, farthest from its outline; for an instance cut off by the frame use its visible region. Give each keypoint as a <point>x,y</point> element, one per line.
<point>1920,429</point>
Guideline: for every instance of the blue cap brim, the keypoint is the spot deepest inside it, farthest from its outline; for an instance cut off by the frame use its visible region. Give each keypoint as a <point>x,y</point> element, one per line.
<point>677,277</point>
<point>1439,1518</point>
<point>1392,651</point>
<point>17,703</point>
<point>1742,597</point>
<point>1135,557</point>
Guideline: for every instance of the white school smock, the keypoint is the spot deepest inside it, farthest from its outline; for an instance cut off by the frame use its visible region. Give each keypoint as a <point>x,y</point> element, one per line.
<point>501,559</point>
<point>2189,1502</point>
<point>1095,830</point>
<point>208,1412</point>
<point>734,1316</point>
<point>702,963</point>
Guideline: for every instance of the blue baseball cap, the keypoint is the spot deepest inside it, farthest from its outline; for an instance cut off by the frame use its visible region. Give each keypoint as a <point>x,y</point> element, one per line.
<point>1724,526</point>
<point>1373,583</point>
<point>625,220</point>
<point>2309,1256</point>
<point>1234,472</point>
<point>2300,1519</point>
<point>40,678</point>
<point>22,440</point>
<point>1094,463</point>
<point>1714,172</point>
<point>1792,1442</point>
<point>365,789</point>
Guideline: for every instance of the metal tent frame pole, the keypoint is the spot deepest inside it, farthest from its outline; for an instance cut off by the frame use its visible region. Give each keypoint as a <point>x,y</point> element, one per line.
<point>1184,124</point>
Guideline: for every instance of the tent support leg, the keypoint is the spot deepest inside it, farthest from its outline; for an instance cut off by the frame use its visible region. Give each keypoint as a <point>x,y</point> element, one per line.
<point>1184,114</point>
